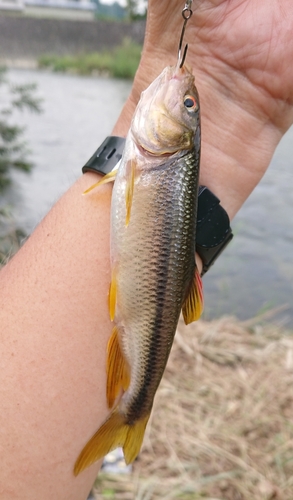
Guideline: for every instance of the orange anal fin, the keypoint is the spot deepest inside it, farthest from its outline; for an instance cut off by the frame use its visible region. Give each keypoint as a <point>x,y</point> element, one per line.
<point>118,377</point>
<point>113,433</point>
<point>129,190</point>
<point>194,301</point>
<point>110,177</point>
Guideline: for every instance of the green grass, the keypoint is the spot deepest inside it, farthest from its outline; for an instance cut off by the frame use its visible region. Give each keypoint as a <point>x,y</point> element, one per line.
<point>121,62</point>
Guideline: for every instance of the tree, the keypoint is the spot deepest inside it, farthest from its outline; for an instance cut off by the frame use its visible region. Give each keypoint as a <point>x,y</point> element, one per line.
<point>13,153</point>
<point>136,9</point>
<point>111,11</point>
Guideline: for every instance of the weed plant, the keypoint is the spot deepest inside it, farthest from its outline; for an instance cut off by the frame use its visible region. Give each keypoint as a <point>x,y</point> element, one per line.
<point>13,150</point>
<point>121,62</point>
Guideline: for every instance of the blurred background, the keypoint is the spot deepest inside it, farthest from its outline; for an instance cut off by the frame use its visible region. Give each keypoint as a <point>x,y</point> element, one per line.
<point>82,55</point>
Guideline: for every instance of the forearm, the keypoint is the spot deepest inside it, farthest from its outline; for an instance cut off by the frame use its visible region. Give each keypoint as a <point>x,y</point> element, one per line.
<point>54,330</point>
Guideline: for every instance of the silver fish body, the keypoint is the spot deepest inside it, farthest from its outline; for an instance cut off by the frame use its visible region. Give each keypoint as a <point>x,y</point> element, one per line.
<point>154,256</point>
<point>154,276</point>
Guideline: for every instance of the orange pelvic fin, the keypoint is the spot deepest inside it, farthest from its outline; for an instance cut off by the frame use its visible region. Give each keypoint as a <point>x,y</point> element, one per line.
<point>110,177</point>
<point>113,433</point>
<point>194,302</point>
<point>129,190</point>
<point>118,377</point>
<point>113,294</point>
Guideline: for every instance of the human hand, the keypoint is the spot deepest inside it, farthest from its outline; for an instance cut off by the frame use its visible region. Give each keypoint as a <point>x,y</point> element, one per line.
<point>241,53</point>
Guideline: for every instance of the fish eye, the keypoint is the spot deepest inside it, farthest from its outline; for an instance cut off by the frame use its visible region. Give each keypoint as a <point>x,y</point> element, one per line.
<point>190,103</point>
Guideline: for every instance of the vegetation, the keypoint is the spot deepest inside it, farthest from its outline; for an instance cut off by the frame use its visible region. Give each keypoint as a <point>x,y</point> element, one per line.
<point>134,10</point>
<point>109,11</point>
<point>13,151</point>
<point>121,62</point>
<point>222,426</point>
<point>10,238</point>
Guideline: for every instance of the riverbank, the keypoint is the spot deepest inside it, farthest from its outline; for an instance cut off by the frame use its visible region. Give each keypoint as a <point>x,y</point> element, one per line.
<point>221,427</point>
<point>119,62</point>
<point>27,39</point>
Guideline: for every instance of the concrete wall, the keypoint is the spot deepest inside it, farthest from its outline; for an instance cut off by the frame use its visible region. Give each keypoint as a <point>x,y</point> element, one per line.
<point>28,38</point>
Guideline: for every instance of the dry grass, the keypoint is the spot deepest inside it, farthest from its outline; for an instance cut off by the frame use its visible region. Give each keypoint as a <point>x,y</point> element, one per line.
<point>222,425</point>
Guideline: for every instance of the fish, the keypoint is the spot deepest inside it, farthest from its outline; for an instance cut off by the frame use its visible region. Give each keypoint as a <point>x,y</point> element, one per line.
<point>154,274</point>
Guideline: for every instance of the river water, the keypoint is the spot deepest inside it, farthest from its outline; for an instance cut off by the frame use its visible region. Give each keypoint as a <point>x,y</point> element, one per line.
<point>254,274</point>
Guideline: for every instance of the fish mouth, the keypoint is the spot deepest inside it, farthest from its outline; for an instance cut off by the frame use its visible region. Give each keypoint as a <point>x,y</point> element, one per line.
<point>151,153</point>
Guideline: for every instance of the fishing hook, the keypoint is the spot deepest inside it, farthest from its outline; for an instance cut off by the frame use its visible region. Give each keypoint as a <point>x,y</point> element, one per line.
<point>186,14</point>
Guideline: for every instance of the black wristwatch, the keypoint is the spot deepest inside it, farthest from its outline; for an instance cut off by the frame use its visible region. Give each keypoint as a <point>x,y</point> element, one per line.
<point>213,231</point>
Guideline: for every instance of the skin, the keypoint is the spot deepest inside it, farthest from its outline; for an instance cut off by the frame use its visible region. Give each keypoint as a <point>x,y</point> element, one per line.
<point>54,317</point>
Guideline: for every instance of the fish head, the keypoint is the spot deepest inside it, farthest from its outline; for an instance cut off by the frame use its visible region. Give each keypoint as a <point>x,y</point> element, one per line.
<point>168,114</point>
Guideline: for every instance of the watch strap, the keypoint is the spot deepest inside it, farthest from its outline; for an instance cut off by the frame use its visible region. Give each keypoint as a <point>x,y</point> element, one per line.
<point>106,157</point>
<point>213,231</point>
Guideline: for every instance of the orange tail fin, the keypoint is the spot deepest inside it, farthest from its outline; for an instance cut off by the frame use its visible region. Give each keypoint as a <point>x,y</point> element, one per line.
<point>113,433</point>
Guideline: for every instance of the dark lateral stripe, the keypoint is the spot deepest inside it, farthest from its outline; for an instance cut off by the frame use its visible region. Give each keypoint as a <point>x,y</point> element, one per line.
<point>159,343</point>
<point>156,351</point>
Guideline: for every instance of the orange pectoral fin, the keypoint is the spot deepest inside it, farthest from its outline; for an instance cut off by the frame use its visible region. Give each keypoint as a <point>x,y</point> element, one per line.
<point>194,302</point>
<point>110,177</point>
<point>118,377</point>
<point>129,189</point>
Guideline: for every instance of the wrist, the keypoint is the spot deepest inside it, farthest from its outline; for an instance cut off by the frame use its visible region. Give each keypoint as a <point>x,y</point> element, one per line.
<point>213,231</point>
